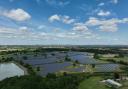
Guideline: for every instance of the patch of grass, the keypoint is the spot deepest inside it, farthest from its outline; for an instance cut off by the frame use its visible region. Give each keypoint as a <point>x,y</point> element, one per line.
<point>117,59</point>
<point>92,83</point>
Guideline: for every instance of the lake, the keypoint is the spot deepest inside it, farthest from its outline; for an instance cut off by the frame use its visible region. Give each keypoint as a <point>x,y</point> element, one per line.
<point>50,63</point>
<point>9,70</point>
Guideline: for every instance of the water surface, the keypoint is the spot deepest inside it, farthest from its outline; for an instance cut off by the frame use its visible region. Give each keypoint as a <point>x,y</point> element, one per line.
<point>10,70</point>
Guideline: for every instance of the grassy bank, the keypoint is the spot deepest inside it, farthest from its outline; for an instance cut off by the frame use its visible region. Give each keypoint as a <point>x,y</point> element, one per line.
<point>92,83</point>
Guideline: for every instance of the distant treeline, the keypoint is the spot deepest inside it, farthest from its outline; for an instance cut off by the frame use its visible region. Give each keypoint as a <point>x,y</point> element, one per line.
<point>91,50</point>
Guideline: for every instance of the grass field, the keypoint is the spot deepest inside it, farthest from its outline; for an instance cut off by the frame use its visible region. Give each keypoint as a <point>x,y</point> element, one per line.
<point>92,83</point>
<point>117,59</point>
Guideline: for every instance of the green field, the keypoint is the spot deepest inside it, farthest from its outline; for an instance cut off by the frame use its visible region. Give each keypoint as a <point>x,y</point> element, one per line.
<point>116,59</point>
<point>92,83</point>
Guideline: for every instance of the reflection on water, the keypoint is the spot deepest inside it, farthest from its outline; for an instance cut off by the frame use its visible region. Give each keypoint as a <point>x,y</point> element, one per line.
<point>51,68</point>
<point>107,67</point>
<point>9,70</point>
<point>50,63</point>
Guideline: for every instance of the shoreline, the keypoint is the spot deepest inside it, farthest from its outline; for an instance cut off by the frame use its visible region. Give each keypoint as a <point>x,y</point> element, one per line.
<point>20,66</point>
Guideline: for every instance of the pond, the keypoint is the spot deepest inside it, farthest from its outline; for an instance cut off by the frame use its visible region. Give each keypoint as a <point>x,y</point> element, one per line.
<point>50,64</point>
<point>107,67</point>
<point>83,59</point>
<point>9,70</point>
<point>52,68</point>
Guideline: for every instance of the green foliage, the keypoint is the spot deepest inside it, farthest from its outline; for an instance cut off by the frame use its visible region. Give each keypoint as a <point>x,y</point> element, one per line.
<point>25,57</point>
<point>51,75</point>
<point>76,61</point>
<point>6,59</point>
<point>74,64</point>
<point>96,56</point>
<point>116,75</point>
<point>67,58</point>
<point>121,55</point>
<point>52,54</point>
<point>38,82</point>
<point>38,68</point>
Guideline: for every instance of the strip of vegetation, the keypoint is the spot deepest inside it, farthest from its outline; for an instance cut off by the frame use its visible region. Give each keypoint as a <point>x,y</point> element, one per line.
<point>37,82</point>
<point>30,70</point>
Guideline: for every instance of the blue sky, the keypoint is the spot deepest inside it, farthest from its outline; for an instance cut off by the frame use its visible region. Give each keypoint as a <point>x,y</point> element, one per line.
<point>76,22</point>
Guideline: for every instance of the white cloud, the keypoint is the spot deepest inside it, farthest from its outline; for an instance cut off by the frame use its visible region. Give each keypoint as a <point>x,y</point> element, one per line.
<point>57,2</point>
<point>54,18</point>
<point>41,27</point>
<point>23,28</point>
<point>27,33</point>
<point>16,14</point>
<point>116,39</point>
<point>67,20</point>
<point>93,21</point>
<point>5,30</point>
<point>101,4</point>
<point>38,1</point>
<point>80,27</point>
<point>21,31</point>
<point>110,25</point>
<point>64,19</point>
<point>103,13</point>
<point>114,1</point>
<point>11,0</point>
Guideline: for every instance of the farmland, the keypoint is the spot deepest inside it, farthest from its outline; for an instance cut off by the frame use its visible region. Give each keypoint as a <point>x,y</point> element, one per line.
<point>57,63</point>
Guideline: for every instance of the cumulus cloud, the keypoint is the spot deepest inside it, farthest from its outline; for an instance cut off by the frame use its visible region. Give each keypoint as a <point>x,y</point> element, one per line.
<point>38,1</point>
<point>57,2</point>
<point>80,32</point>
<point>23,28</point>
<point>110,25</point>
<point>114,1</point>
<point>16,14</point>
<point>54,18</point>
<point>41,26</point>
<point>101,4</point>
<point>80,27</point>
<point>93,21</point>
<point>13,31</point>
<point>103,13</point>
<point>11,0</point>
<point>21,32</point>
<point>65,19</point>
<point>5,30</point>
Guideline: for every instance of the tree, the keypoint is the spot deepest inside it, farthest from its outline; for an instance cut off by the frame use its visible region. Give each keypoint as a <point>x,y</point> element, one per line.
<point>67,58</point>
<point>96,56</point>
<point>116,75</point>
<point>65,73</point>
<point>25,57</point>
<point>51,75</point>
<point>38,68</point>
<point>121,55</point>
<point>76,61</point>
<point>93,65</point>
<point>74,64</point>
<point>53,54</point>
